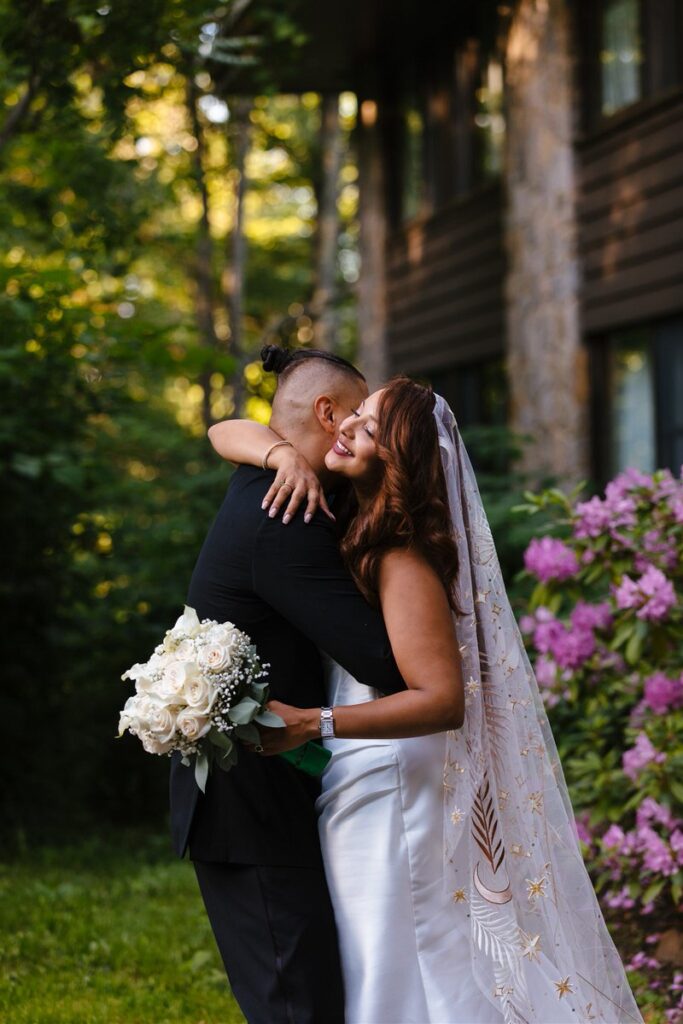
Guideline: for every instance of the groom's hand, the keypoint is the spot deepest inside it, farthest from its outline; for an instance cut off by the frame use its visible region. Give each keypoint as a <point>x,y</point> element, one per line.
<point>302,725</point>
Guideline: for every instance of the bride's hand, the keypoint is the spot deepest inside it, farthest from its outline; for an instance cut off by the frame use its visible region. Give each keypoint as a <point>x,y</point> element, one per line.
<point>301,725</point>
<point>295,481</point>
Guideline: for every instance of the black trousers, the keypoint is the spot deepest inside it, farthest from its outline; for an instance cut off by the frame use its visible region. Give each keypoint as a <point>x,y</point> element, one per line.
<point>275,930</point>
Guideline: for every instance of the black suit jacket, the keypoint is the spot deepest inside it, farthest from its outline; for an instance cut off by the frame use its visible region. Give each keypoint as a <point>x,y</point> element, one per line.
<point>287,587</point>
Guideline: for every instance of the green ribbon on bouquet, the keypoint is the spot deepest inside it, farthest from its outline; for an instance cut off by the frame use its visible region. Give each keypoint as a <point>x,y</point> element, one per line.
<point>311,758</point>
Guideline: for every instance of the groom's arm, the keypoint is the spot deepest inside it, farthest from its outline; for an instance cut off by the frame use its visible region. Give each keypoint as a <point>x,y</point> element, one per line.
<point>297,569</point>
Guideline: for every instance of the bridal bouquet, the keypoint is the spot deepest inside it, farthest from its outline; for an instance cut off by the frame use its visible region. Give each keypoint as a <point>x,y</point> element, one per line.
<point>203,688</point>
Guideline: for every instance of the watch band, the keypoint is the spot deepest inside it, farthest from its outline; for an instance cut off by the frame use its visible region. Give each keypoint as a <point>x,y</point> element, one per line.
<point>326,722</point>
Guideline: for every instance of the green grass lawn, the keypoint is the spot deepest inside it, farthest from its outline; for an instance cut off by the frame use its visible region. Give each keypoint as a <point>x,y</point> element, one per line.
<point>108,933</point>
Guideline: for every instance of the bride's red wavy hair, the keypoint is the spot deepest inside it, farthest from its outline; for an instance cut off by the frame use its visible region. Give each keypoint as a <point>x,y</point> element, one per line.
<point>410,505</point>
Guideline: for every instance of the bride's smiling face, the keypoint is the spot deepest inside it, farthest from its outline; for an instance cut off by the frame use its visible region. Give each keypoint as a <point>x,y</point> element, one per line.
<point>354,453</point>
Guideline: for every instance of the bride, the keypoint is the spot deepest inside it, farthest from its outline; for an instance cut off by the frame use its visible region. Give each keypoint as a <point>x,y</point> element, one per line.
<point>456,878</point>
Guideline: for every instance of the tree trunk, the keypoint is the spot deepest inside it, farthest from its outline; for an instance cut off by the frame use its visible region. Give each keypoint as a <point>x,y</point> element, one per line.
<point>546,361</point>
<point>233,275</point>
<point>371,287</point>
<point>322,303</point>
<point>203,265</point>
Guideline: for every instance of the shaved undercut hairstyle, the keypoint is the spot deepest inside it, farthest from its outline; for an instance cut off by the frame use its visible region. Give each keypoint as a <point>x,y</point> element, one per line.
<point>283,361</point>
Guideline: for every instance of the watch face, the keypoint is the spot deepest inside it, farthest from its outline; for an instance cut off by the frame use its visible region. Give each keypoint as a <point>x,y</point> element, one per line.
<point>326,727</point>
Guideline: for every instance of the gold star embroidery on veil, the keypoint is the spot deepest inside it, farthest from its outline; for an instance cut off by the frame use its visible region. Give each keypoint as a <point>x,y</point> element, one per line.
<point>531,946</point>
<point>563,987</point>
<point>536,887</point>
<point>481,596</point>
<point>471,685</point>
<point>457,816</point>
<point>459,896</point>
<point>536,801</point>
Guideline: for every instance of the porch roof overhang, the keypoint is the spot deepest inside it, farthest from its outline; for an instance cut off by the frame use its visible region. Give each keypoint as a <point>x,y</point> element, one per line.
<point>351,44</point>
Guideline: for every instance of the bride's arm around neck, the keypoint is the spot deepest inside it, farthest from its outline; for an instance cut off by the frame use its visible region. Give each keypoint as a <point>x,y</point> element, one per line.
<point>421,629</point>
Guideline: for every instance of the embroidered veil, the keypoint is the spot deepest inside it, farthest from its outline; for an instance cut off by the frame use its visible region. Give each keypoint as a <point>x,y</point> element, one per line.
<point>540,948</point>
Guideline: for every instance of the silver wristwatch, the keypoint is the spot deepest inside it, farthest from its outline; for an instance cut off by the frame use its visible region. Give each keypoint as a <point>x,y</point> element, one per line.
<point>326,722</point>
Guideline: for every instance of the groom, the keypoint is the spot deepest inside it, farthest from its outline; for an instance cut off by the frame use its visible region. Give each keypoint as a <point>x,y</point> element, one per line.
<point>252,836</point>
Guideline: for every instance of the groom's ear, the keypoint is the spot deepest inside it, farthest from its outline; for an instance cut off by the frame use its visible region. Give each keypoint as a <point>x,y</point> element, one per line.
<point>325,409</point>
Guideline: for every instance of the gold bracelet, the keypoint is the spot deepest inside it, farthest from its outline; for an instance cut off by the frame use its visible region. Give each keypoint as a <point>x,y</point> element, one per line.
<point>264,464</point>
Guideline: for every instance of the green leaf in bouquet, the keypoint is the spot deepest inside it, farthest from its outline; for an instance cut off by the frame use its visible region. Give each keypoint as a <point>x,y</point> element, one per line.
<point>227,758</point>
<point>201,770</point>
<point>258,690</point>
<point>244,712</point>
<point>272,721</point>
<point>219,739</point>
<point>249,733</point>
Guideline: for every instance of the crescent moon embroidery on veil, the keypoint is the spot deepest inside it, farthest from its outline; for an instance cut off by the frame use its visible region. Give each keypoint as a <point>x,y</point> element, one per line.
<point>485,835</point>
<point>498,896</point>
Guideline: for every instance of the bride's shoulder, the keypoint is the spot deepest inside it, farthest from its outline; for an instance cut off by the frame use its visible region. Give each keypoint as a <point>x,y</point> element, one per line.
<point>399,563</point>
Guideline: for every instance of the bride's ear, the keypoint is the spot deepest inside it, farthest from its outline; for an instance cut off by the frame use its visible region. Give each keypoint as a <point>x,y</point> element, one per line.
<point>325,410</point>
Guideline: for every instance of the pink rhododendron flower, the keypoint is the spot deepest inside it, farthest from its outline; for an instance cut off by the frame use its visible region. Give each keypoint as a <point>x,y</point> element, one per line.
<point>550,559</point>
<point>613,837</point>
<point>592,518</point>
<point>620,900</point>
<point>656,853</point>
<point>546,671</point>
<point>582,832</point>
<point>676,843</point>
<point>661,693</point>
<point>635,759</point>
<point>650,810</point>
<point>657,548</point>
<point>546,633</point>
<point>630,479</point>
<point>653,594</point>
<point>572,647</point>
<point>591,616</point>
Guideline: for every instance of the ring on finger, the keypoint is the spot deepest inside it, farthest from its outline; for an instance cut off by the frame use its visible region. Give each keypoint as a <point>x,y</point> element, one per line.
<point>258,748</point>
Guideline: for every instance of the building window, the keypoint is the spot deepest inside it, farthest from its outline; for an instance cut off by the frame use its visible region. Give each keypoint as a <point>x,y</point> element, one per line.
<point>638,412</point>
<point>489,121</point>
<point>621,54</point>
<point>478,395</point>
<point>628,50</point>
<point>632,401</point>
<point>412,161</point>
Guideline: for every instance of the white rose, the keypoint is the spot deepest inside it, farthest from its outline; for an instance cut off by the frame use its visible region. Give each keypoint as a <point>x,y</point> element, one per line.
<point>155,745</point>
<point>185,650</point>
<point>192,725</point>
<point>162,723</point>
<point>175,677</point>
<point>215,657</point>
<point>199,694</point>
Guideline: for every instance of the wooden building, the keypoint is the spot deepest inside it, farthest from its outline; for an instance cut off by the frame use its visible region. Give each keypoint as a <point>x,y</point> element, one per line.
<point>521,195</point>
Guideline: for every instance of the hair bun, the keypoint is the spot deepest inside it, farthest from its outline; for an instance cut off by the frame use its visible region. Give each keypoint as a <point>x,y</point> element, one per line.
<point>275,358</point>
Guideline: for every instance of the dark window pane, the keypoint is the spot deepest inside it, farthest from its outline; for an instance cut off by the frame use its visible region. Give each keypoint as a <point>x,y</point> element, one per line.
<point>669,375</point>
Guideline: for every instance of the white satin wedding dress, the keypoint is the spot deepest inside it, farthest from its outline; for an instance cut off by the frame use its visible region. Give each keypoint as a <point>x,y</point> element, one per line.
<point>404,944</point>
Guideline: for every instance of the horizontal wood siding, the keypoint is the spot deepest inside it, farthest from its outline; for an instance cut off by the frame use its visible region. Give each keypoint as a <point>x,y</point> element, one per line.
<point>445,279</point>
<point>630,213</point>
